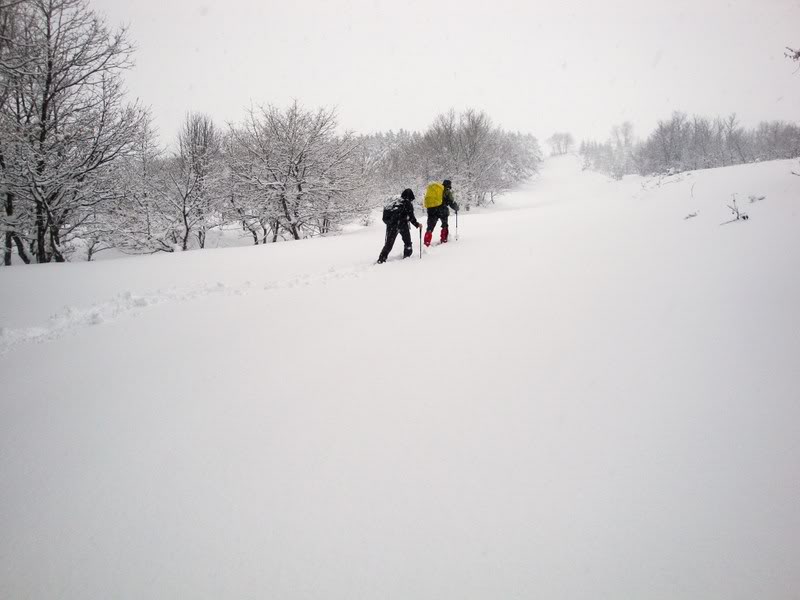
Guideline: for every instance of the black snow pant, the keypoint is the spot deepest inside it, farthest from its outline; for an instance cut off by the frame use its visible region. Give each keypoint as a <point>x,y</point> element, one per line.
<point>434,214</point>
<point>391,235</point>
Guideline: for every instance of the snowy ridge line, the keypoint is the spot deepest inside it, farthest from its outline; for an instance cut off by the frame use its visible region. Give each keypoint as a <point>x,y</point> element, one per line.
<point>127,303</point>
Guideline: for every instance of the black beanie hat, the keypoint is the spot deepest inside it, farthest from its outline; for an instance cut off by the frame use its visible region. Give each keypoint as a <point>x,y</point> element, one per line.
<point>446,183</point>
<point>407,194</point>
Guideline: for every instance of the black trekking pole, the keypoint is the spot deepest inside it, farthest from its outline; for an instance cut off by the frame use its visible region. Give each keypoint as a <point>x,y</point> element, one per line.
<point>456,225</point>
<point>420,241</point>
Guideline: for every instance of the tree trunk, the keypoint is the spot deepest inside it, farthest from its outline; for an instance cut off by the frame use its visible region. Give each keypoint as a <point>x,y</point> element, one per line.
<point>20,248</point>
<point>41,232</point>
<point>55,244</point>
<point>8,241</point>
<point>186,233</point>
<point>7,250</point>
<point>291,225</point>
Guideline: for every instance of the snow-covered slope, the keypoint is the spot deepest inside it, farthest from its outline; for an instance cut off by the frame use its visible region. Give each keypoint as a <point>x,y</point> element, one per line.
<point>586,396</point>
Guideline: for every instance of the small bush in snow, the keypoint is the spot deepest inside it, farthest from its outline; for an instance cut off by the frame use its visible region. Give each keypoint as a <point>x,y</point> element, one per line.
<point>738,214</point>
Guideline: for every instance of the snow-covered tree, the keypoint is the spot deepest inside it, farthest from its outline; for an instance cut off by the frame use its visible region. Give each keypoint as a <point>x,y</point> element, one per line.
<point>702,144</point>
<point>192,179</point>
<point>242,203</point>
<point>441,148</point>
<point>64,120</point>
<point>479,155</point>
<point>516,159</point>
<point>681,143</point>
<point>170,201</point>
<point>14,57</point>
<point>481,160</point>
<point>141,218</point>
<point>561,143</point>
<point>394,161</point>
<point>299,175</point>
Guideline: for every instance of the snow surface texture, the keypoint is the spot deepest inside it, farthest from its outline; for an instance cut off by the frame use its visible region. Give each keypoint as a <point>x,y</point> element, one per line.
<point>587,396</point>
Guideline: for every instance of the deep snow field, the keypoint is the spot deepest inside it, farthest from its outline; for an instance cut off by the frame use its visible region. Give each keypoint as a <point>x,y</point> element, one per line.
<point>587,396</point>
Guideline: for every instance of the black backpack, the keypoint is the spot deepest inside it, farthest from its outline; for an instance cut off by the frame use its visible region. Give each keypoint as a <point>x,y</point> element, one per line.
<point>392,208</point>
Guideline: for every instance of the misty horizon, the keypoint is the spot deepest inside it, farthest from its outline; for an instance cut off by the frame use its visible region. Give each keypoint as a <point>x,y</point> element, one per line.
<point>540,70</point>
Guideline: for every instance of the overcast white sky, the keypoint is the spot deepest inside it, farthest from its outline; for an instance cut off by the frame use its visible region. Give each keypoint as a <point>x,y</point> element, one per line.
<point>533,66</point>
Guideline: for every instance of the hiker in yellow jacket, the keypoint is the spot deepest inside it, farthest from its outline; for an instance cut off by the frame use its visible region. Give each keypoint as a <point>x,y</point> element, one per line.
<point>438,197</point>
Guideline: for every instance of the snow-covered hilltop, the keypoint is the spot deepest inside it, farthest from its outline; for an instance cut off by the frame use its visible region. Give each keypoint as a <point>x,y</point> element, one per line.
<point>590,394</point>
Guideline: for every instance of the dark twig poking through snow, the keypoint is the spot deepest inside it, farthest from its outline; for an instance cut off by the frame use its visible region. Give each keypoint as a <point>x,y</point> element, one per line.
<point>740,216</point>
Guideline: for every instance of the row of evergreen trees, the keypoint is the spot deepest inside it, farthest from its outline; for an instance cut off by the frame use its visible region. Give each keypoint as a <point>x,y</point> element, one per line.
<point>81,168</point>
<point>682,143</point>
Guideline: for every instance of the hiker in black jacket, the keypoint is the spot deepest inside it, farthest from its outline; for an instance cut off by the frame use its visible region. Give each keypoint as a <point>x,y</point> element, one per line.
<point>398,211</point>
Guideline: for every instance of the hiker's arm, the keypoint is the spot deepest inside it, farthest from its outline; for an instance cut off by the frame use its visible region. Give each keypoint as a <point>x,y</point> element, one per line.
<point>411,216</point>
<point>449,199</point>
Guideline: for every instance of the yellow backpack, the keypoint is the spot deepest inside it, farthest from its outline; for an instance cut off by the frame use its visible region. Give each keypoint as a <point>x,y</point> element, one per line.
<point>433,195</point>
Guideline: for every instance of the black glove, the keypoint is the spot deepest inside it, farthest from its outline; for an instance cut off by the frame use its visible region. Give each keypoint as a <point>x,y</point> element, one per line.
<point>455,207</point>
